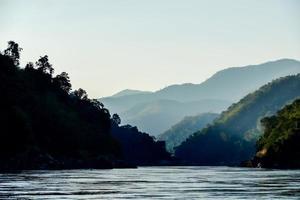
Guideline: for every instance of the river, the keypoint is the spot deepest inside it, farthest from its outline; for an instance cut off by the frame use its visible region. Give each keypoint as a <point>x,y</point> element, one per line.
<point>153,182</point>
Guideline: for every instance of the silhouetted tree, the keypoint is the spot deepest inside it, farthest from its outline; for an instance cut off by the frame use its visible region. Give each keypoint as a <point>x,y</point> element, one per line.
<point>13,51</point>
<point>80,94</point>
<point>97,104</point>
<point>63,81</point>
<point>29,65</point>
<point>44,127</point>
<point>44,65</point>
<point>116,118</point>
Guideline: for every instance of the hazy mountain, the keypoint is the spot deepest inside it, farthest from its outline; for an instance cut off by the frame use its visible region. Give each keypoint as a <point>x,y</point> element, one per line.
<point>232,83</point>
<point>157,116</point>
<point>185,128</point>
<point>229,84</point>
<point>231,139</point>
<point>129,92</point>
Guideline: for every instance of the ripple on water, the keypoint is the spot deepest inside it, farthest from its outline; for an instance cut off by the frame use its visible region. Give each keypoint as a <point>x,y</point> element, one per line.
<point>153,182</point>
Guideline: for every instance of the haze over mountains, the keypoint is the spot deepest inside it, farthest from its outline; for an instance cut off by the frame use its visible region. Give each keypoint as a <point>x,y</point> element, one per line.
<point>129,92</point>
<point>47,125</point>
<point>155,112</point>
<point>231,138</point>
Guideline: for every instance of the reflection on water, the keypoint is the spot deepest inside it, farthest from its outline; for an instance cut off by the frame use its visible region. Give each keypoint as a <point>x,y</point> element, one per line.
<point>153,182</point>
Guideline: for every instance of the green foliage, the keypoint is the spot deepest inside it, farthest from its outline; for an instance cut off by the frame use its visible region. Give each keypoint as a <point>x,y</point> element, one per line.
<point>279,145</point>
<point>231,139</point>
<point>185,128</point>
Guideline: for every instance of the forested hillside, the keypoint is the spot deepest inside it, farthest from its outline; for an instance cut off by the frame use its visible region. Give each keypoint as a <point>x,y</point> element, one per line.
<point>45,125</point>
<point>139,148</point>
<point>185,128</point>
<point>279,146</point>
<point>231,139</point>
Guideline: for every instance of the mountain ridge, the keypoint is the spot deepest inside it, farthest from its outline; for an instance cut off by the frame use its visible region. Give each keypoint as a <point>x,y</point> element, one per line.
<point>127,92</point>
<point>231,138</point>
<point>180,131</point>
<point>229,85</point>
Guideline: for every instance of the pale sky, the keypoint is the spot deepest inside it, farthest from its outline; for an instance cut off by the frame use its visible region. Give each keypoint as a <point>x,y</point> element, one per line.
<point>110,45</point>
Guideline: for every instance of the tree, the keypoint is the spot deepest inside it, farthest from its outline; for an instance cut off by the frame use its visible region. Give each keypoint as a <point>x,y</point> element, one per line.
<point>29,65</point>
<point>13,51</point>
<point>63,81</point>
<point>116,118</point>
<point>97,104</point>
<point>44,65</point>
<point>80,94</point>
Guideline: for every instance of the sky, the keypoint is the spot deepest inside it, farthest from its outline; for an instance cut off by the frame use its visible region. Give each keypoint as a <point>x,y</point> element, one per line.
<point>110,45</point>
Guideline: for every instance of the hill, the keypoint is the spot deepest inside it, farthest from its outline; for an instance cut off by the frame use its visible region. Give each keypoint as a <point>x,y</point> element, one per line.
<point>179,132</point>
<point>231,139</point>
<point>139,148</point>
<point>278,147</point>
<point>160,115</point>
<point>222,86</point>
<point>129,92</point>
<point>45,125</point>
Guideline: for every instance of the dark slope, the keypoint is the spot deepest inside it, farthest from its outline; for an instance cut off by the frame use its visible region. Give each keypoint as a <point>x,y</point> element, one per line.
<point>139,148</point>
<point>179,132</point>
<point>232,137</point>
<point>43,125</point>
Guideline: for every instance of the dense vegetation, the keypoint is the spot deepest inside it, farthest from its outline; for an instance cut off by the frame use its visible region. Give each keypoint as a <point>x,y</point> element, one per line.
<point>46,125</point>
<point>279,146</point>
<point>185,128</point>
<point>232,137</point>
<point>139,148</point>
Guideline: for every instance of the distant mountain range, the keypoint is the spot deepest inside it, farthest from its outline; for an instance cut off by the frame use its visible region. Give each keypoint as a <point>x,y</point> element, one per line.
<point>152,113</point>
<point>159,115</point>
<point>231,138</point>
<point>129,92</point>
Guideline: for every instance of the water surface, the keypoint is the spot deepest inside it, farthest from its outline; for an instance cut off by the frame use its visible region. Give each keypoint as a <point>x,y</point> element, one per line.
<point>153,182</point>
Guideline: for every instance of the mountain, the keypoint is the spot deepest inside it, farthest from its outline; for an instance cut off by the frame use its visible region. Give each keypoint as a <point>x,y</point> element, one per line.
<point>185,128</point>
<point>45,125</point>
<point>228,85</point>
<point>139,148</point>
<point>159,115</point>
<point>231,138</point>
<point>279,147</point>
<point>233,83</point>
<point>129,92</point>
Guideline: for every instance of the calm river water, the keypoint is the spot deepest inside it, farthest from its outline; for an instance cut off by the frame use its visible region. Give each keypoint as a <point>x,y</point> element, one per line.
<point>153,182</point>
